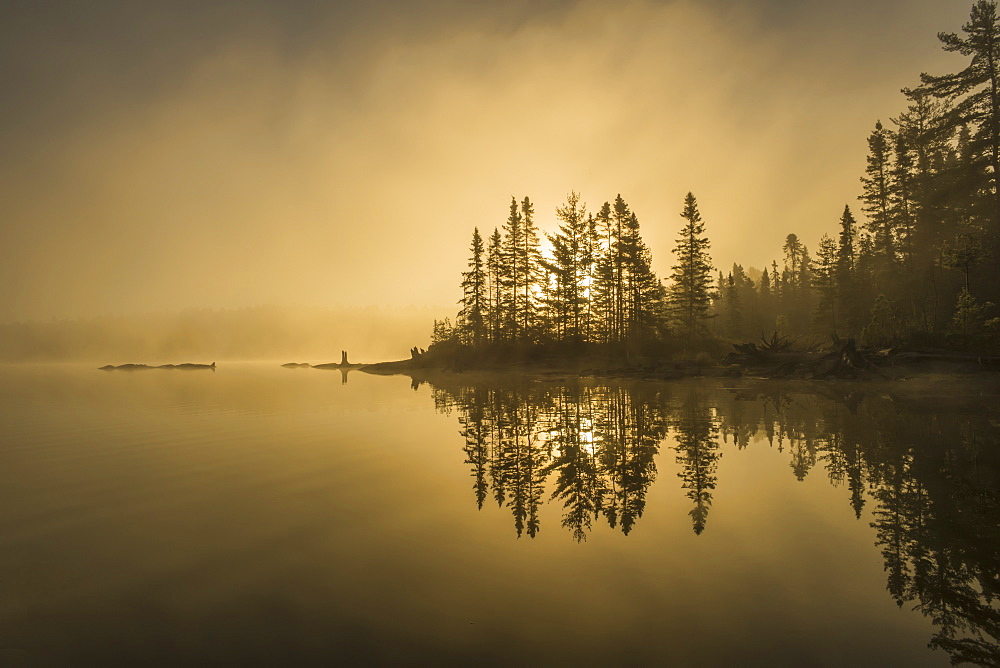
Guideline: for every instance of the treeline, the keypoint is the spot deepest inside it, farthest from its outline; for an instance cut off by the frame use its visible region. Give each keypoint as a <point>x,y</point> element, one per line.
<point>922,264</point>
<point>920,267</point>
<point>593,283</point>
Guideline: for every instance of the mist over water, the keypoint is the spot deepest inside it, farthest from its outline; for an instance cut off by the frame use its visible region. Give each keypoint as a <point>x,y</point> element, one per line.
<point>259,515</point>
<point>288,334</point>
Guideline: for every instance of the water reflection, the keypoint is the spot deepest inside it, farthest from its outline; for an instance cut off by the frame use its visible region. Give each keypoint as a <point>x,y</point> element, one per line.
<point>930,471</point>
<point>591,449</point>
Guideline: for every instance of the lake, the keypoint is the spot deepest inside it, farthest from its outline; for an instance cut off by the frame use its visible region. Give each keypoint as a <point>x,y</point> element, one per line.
<point>257,515</point>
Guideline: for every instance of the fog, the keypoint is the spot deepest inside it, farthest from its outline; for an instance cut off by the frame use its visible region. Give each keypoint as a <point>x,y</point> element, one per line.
<point>169,156</point>
<point>279,333</point>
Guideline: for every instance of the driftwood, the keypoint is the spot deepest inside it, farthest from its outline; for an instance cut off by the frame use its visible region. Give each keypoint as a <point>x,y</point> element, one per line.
<point>775,359</point>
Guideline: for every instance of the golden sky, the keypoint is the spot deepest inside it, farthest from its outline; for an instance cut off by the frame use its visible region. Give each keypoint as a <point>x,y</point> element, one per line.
<point>158,156</point>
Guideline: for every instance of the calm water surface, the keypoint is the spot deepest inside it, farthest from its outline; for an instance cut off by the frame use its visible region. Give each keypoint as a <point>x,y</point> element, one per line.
<point>266,516</point>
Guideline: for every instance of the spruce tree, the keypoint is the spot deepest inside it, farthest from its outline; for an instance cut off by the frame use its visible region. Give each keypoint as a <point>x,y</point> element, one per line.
<point>603,286</point>
<point>475,294</point>
<point>570,269</point>
<point>824,281</point>
<point>495,276</point>
<point>689,294</point>
<point>512,274</point>
<point>876,200</point>
<point>733,306</point>
<point>640,288</point>
<point>847,298</point>
<point>619,219</point>
<point>766,298</point>
<point>529,270</point>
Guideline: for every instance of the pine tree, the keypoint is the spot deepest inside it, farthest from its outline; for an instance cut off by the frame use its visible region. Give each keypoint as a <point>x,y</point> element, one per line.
<point>749,301</point>
<point>529,269</point>
<point>691,278</point>
<point>475,294</point>
<point>883,329</point>
<point>733,306</point>
<point>495,275</point>
<point>766,301</point>
<point>641,289</point>
<point>603,287</point>
<point>901,202</point>
<point>777,284</point>
<point>975,91</point>
<point>512,273</point>
<point>969,318</point>
<point>793,261</point>
<point>876,199</point>
<point>845,273</point>
<point>619,219</point>
<point>824,281</point>
<point>569,269</point>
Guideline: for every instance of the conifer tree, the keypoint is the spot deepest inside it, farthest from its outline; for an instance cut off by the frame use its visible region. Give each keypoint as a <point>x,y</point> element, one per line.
<point>529,268</point>
<point>766,302</point>
<point>641,288</point>
<point>619,219</point>
<point>691,278</point>
<point>901,202</point>
<point>975,91</point>
<point>590,253</point>
<point>512,273</point>
<point>603,287</point>
<point>792,250</point>
<point>475,294</point>
<point>824,281</point>
<point>845,272</point>
<point>495,275</point>
<point>923,128</point>
<point>749,301</point>
<point>777,284</point>
<point>569,269</point>
<point>734,306</point>
<point>876,199</point>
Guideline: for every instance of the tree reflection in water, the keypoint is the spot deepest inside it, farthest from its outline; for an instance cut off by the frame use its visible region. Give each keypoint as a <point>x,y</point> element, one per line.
<point>931,472</point>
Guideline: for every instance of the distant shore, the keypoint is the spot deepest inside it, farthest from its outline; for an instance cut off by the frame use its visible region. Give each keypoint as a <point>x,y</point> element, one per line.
<point>843,361</point>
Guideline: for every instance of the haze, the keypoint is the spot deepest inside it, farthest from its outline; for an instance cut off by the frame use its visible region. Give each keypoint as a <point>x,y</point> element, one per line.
<point>158,157</point>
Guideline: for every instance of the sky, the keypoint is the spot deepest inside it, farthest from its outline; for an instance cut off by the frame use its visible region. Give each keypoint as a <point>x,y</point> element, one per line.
<point>160,156</point>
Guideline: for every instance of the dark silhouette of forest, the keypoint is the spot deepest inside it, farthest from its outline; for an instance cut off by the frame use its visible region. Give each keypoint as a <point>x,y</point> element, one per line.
<point>926,476</point>
<point>915,263</point>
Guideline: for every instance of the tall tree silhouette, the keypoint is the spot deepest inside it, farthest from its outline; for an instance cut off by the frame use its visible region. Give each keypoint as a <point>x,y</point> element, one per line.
<point>824,281</point>
<point>974,92</point>
<point>847,297</point>
<point>570,269</point>
<point>495,278</point>
<point>529,268</point>
<point>512,273</point>
<point>692,275</point>
<point>475,298</point>
<point>876,199</point>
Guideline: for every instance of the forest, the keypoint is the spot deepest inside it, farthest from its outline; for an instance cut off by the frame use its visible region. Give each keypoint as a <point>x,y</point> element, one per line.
<point>914,261</point>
